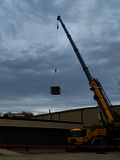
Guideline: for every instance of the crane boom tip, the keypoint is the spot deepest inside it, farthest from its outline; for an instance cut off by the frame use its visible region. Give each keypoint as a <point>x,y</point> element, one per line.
<point>58,17</point>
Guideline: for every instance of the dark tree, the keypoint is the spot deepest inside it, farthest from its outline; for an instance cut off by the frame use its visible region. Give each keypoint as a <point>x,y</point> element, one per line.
<point>27,114</point>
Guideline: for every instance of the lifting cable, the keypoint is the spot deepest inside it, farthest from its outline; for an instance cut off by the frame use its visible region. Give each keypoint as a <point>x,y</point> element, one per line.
<point>55,90</point>
<point>56,77</point>
<point>56,51</point>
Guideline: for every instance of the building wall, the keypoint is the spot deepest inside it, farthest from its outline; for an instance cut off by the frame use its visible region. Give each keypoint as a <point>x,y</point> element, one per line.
<point>30,136</point>
<point>55,116</point>
<point>87,116</point>
<point>34,132</point>
<point>117,111</point>
<point>71,116</point>
<point>90,116</point>
<point>45,117</point>
<point>38,117</point>
<point>76,116</point>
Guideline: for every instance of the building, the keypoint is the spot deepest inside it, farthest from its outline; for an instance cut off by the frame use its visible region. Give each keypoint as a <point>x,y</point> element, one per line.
<point>17,131</point>
<point>85,116</point>
<point>46,129</point>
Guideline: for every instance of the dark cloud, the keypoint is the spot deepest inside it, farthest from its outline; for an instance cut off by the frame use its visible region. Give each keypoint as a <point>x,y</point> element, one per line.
<point>31,49</point>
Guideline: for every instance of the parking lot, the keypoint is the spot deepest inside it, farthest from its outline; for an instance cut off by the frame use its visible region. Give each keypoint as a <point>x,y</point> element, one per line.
<point>10,155</point>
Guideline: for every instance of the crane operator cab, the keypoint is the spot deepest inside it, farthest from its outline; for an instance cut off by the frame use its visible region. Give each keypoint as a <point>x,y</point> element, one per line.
<point>77,136</point>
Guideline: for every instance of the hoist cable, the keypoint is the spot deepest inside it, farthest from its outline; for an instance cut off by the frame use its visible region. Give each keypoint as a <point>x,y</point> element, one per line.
<point>56,77</point>
<point>56,52</point>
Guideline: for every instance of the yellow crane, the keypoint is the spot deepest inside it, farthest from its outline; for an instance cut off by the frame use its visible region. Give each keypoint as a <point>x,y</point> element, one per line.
<point>109,131</point>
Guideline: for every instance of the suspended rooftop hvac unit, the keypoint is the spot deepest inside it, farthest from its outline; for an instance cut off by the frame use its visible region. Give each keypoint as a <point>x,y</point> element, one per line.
<point>55,90</point>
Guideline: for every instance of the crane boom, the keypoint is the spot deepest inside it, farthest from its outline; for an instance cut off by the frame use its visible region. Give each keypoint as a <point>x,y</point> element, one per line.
<point>85,68</point>
<point>99,93</point>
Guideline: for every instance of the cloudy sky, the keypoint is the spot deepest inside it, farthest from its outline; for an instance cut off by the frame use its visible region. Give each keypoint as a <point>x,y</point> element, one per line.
<point>31,48</point>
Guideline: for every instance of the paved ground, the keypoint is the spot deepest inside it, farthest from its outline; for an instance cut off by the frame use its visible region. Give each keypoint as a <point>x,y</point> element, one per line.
<point>9,155</point>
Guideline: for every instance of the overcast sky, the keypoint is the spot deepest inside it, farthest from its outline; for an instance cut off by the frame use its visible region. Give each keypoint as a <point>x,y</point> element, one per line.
<point>31,48</point>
